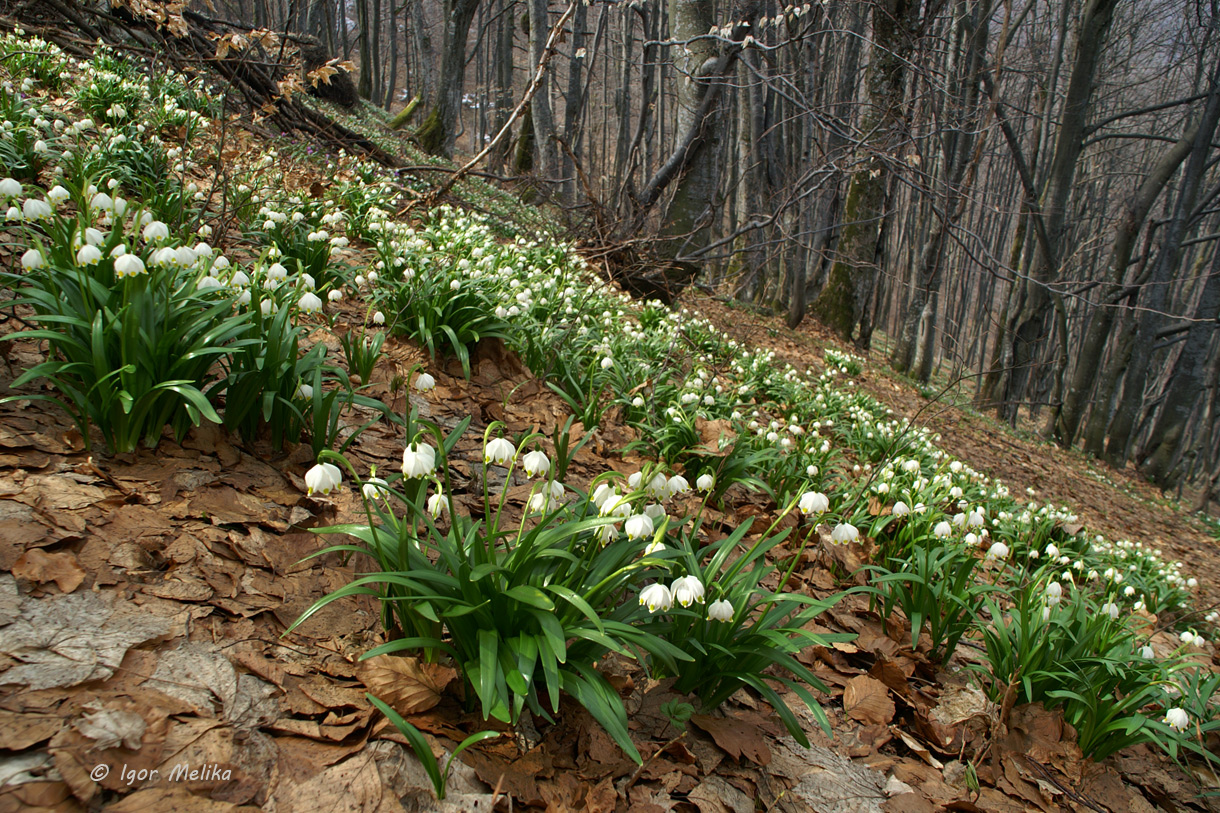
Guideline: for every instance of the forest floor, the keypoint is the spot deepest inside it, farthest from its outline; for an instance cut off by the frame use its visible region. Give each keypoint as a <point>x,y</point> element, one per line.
<point>144,599</point>
<point>148,594</point>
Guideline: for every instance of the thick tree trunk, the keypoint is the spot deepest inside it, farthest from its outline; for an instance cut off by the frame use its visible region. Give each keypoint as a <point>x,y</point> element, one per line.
<point>1182,396</point>
<point>843,302</point>
<point>546,152</point>
<point>438,132</point>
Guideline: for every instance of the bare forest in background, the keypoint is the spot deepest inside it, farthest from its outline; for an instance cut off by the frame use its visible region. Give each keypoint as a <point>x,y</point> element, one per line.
<point>1023,195</point>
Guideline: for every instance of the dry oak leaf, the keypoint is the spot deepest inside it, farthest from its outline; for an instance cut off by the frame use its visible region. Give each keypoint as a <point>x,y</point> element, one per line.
<point>735,737</point>
<point>407,685</point>
<point>867,700</point>
<point>36,565</point>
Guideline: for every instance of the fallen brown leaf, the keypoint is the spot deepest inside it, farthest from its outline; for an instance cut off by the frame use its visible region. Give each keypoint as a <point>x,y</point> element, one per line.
<point>867,700</point>
<point>405,684</point>
<point>36,565</point>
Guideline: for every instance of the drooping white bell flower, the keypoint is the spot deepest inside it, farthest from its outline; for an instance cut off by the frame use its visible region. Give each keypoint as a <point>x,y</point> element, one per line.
<point>1177,719</point>
<point>814,502</point>
<point>721,610</point>
<point>418,460</point>
<point>656,597</point>
<point>677,485</point>
<point>155,232</point>
<point>32,260</point>
<point>88,255</point>
<point>498,451</point>
<point>845,532</point>
<point>705,482</point>
<point>323,478</point>
<point>424,382</point>
<point>638,526</point>
<point>536,463</point>
<point>310,303</point>
<point>687,590</point>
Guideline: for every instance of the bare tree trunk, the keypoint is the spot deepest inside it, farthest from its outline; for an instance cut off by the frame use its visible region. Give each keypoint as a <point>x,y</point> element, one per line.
<point>1164,268</point>
<point>1186,383</point>
<point>1097,335</point>
<point>843,301</point>
<point>1027,328</point>
<point>438,132</point>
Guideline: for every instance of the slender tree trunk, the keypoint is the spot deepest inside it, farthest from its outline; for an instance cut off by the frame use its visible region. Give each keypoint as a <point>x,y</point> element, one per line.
<point>1027,329</point>
<point>1164,268</point>
<point>1101,322</point>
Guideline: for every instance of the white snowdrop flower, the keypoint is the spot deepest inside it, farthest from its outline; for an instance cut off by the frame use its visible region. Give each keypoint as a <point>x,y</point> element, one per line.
<point>1147,653</point>
<point>677,485</point>
<point>335,295</point>
<point>498,450</point>
<point>155,232</point>
<point>418,460</point>
<point>1128,591</point>
<point>277,272</point>
<point>1052,551</point>
<point>88,255</point>
<point>184,257</point>
<point>12,213</point>
<point>655,596</point>
<point>1110,609</point>
<point>705,482</point>
<point>998,550</point>
<point>424,382</point>
<point>535,463</point>
<point>603,493</point>
<point>721,610</point>
<point>32,260</point>
<point>323,478</point>
<point>1177,719</point>
<point>654,547</point>
<point>437,504</point>
<point>310,303</point>
<point>375,488</point>
<point>1054,593</point>
<point>638,526</point>
<point>942,529</point>
<point>378,318</point>
<point>910,466</point>
<point>815,502</point>
<point>454,285</point>
<point>655,511</point>
<point>971,539</point>
<point>10,188</point>
<point>687,590</point>
<point>102,202</point>
<point>844,533</point>
<point>304,391</point>
<point>34,209</point>
<point>1192,583</point>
